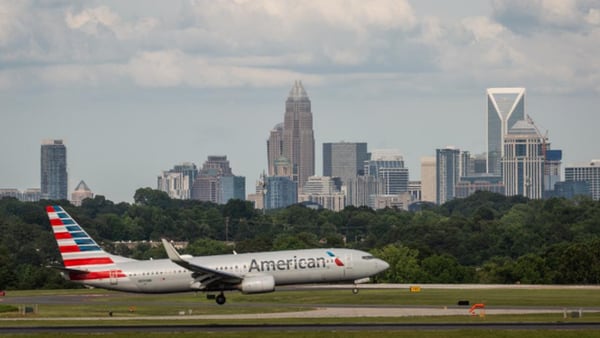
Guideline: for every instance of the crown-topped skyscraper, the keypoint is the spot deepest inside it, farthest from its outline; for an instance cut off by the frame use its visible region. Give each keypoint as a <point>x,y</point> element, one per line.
<point>298,136</point>
<point>506,106</point>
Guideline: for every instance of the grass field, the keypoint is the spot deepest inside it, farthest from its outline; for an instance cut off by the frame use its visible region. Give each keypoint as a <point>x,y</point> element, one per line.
<point>100,302</point>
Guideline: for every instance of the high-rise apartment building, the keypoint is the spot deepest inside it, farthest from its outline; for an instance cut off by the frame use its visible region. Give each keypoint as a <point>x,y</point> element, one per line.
<point>345,160</point>
<point>54,180</point>
<point>298,136</point>
<point>589,172</point>
<point>388,164</point>
<point>505,106</point>
<point>447,173</point>
<point>523,161</point>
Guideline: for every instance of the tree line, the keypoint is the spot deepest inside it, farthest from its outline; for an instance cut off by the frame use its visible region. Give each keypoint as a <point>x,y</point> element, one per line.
<point>485,238</point>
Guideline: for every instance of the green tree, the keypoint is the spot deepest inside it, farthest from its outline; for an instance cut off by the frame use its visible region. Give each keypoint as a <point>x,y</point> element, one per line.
<point>404,264</point>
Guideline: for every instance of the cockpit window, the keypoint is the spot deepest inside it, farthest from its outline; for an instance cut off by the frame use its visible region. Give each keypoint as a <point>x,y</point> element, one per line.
<point>367,257</point>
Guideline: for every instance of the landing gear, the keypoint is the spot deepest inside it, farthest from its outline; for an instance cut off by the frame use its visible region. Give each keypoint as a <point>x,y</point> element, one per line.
<point>355,290</point>
<point>220,299</point>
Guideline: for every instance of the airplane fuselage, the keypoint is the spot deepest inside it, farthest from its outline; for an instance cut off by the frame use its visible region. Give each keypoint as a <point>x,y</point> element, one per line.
<point>286,267</point>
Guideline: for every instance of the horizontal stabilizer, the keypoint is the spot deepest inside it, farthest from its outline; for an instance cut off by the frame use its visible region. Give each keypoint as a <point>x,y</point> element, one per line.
<point>67,270</point>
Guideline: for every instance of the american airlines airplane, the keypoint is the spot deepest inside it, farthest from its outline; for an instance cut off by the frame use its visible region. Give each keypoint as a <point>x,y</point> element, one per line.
<point>86,263</point>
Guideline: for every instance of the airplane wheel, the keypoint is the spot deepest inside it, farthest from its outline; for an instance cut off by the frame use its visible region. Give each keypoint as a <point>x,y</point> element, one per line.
<point>355,291</point>
<point>221,299</point>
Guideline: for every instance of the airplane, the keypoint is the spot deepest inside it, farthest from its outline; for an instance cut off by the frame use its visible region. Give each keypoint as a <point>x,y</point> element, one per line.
<point>85,262</point>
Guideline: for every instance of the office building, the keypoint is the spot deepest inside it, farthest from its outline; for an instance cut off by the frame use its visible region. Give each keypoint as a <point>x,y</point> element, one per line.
<point>324,191</point>
<point>428,180</point>
<point>523,161</point>
<point>505,106</point>
<point>10,193</point>
<point>400,202</point>
<point>216,182</point>
<point>447,173</point>
<point>82,191</point>
<point>414,190</point>
<point>31,195</point>
<point>280,192</point>
<point>298,136</point>
<point>552,168</point>
<point>178,181</point>
<point>388,164</point>
<point>468,185</point>
<point>258,198</point>
<point>360,189</point>
<point>274,148</point>
<point>588,172</point>
<point>232,187</point>
<point>344,159</point>
<point>570,190</point>
<point>54,180</point>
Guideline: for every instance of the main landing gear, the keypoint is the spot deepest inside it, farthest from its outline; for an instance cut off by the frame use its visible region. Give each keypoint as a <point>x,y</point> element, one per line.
<point>220,298</point>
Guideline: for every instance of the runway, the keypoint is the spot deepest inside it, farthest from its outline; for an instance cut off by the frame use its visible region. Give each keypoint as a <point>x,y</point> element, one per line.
<point>266,320</point>
<point>99,329</point>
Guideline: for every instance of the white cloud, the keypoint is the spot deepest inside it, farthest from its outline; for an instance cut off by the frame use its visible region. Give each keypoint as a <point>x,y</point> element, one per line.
<point>174,68</point>
<point>93,21</point>
<point>482,28</point>
<point>11,24</point>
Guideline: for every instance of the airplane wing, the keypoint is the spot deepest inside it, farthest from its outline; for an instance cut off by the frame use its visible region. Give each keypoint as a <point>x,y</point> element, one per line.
<point>203,275</point>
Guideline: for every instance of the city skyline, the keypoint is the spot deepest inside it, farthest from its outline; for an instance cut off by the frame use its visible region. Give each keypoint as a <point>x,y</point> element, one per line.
<point>133,88</point>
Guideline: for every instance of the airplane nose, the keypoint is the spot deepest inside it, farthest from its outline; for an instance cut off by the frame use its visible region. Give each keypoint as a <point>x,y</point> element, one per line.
<point>382,265</point>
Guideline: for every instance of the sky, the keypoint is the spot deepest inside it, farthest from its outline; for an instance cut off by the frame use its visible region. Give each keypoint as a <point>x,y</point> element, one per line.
<point>135,87</point>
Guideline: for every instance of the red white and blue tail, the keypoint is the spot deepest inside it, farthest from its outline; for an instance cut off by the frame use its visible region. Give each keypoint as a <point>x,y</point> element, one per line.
<point>82,257</point>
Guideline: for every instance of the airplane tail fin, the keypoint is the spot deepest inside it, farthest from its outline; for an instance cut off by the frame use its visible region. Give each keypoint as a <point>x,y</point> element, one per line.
<point>80,253</point>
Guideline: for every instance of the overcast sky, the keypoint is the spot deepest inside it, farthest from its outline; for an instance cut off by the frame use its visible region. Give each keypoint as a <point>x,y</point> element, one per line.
<point>135,87</point>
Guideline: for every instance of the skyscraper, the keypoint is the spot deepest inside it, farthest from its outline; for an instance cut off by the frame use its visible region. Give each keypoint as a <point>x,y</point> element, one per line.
<point>506,106</point>
<point>523,161</point>
<point>298,136</point>
<point>345,160</point>
<point>280,192</point>
<point>54,180</point>
<point>447,173</point>
<point>428,181</point>
<point>274,148</point>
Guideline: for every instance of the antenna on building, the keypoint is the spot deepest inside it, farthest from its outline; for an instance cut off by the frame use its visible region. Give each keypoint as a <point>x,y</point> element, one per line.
<point>543,138</point>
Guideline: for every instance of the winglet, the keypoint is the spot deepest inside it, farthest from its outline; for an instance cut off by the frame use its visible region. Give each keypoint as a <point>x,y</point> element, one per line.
<point>172,252</point>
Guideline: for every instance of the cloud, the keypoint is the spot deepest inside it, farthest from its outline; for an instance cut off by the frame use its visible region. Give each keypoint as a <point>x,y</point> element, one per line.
<point>93,21</point>
<point>526,17</point>
<point>174,68</point>
<point>265,43</point>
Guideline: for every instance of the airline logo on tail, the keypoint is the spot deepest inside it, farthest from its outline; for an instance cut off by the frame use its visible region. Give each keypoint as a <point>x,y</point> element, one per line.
<point>78,250</point>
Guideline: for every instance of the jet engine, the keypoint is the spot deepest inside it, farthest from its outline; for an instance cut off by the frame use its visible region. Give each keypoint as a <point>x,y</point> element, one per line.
<point>258,284</point>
